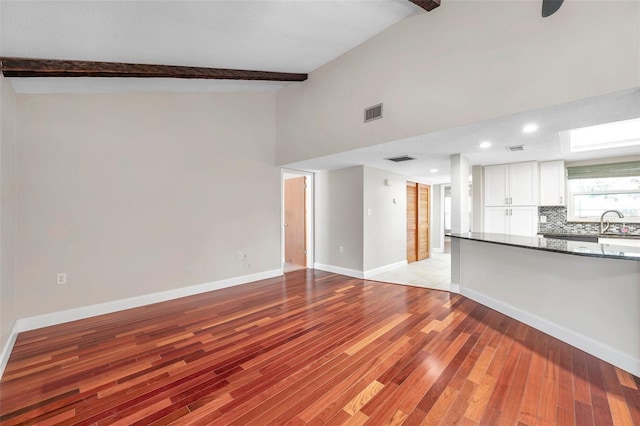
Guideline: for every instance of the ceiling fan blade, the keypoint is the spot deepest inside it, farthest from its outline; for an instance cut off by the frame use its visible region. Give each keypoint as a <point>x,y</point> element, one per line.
<point>549,7</point>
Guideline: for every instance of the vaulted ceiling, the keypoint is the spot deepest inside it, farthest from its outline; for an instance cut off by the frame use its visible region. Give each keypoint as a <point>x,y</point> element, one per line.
<point>281,36</point>
<point>265,35</point>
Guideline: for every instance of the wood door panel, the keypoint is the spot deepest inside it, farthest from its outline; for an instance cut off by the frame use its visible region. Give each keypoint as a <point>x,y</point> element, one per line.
<point>423,221</point>
<point>412,222</point>
<point>418,221</point>
<point>294,221</point>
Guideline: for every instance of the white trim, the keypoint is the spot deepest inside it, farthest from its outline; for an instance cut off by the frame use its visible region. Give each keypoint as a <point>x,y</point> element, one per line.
<point>454,288</point>
<point>53,318</point>
<point>339,270</point>
<point>375,271</point>
<point>437,249</point>
<point>600,350</point>
<point>8,347</point>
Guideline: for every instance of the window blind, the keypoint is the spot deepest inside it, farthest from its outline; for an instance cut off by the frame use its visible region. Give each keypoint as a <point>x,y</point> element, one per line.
<point>630,168</point>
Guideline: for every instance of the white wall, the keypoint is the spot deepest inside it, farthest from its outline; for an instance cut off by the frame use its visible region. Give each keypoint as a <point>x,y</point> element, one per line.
<point>7,210</point>
<point>477,207</point>
<point>135,194</point>
<point>464,62</point>
<point>437,218</point>
<point>460,209</point>
<point>385,222</point>
<point>339,220</point>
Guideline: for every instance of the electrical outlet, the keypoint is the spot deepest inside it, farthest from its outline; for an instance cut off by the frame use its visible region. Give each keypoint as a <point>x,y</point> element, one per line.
<point>340,249</point>
<point>61,278</point>
<point>240,255</point>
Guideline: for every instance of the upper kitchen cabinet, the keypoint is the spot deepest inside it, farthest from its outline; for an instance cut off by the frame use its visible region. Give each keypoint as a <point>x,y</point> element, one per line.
<point>496,185</point>
<point>552,183</point>
<point>511,184</point>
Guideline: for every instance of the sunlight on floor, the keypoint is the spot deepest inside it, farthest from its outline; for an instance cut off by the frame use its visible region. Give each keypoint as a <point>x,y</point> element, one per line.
<point>290,267</point>
<point>434,272</point>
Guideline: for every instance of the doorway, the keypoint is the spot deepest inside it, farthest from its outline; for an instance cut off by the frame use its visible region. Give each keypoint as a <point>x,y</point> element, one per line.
<point>418,221</point>
<point>297,222</point>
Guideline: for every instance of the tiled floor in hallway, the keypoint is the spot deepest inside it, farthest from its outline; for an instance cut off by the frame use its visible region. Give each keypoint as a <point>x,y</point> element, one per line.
<point>434,272</point>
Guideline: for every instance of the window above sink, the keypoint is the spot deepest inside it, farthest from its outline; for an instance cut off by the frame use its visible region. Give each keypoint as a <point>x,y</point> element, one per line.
<point>596,188</point>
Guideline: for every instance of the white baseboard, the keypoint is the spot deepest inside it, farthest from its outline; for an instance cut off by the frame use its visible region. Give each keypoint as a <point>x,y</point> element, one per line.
<point>54,318</point>
<point>8,347</point>
<point>437,250</point>
<point>339,270</point>
<point>385,268</point>
<point>600,350</point>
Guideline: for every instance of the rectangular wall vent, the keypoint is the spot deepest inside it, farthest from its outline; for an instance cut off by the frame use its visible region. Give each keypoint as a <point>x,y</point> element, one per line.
<point>372,113</point>
<point>515,148</point>
<point>400,159</point>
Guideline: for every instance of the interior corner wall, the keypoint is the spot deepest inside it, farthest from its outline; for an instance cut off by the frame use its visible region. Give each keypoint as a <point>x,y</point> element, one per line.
<point>384,218</point>
<point>477,208</point>
<point>8,314</point>
<point>437,218</point>
<point>462,63</point>
<point>132,194</point>
<point>338,217</point>
<point>460,209</point>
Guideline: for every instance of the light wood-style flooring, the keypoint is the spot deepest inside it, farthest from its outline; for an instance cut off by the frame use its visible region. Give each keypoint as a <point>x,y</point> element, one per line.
<point>310,348</point>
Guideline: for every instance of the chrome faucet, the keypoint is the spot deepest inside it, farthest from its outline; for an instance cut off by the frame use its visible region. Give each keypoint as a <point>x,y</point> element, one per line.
<point>604,228</point>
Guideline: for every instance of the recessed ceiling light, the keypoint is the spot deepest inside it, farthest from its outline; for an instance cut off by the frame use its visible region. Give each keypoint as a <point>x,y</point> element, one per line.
<point>434,170</point>
<point>485,144</point>
<point>530,128</point>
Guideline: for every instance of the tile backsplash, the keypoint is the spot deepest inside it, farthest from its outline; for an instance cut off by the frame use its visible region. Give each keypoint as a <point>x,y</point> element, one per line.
<point>557,222</point>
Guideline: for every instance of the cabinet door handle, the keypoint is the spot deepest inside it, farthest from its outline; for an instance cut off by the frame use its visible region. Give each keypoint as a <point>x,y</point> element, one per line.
<point>561,199</point>
<point>506,200</point>
<point>510,200</point>
<point>510,212</point>
<point>506,212</point>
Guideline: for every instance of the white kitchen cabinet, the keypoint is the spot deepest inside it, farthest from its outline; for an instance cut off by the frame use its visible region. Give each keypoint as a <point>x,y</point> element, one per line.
<point>513,220</point>
<point>552,183</point>
<point>523,184</point>
<point>496,185</point>
<point>496,220</point>
<point>523,220</point>
<point>511,184</point>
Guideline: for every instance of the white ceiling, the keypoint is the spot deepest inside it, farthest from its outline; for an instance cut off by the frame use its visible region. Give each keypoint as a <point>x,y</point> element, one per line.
<point>266,35</point>
<point>433,151</point>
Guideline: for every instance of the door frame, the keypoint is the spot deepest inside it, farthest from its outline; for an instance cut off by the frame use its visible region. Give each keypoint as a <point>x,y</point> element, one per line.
<point>309,207</point>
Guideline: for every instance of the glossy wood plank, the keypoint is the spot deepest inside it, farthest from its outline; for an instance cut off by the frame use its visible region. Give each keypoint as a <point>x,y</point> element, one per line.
<point>309,348</point>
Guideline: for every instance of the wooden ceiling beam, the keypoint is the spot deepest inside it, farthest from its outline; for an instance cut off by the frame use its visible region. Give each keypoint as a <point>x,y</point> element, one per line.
<point>427,5</point>
<point>27,67</point>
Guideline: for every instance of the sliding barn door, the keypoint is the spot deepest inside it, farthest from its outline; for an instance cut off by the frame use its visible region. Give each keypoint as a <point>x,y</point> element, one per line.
<point>418,221</point>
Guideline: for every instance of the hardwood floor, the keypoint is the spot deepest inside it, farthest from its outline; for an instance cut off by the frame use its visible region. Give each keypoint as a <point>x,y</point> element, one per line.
<point>310,348</point>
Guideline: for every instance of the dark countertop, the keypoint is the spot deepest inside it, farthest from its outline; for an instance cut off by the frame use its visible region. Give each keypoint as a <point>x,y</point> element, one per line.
<point>568,234</point>
<point>578,248</point>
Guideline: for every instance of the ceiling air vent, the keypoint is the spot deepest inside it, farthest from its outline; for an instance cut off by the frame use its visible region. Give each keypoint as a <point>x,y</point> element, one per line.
<point>515,148</point>
<point>400,159</point>
<point>372,113</point>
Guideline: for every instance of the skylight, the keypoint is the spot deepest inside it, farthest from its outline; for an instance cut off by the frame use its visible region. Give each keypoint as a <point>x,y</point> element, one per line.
<point>619,134</point>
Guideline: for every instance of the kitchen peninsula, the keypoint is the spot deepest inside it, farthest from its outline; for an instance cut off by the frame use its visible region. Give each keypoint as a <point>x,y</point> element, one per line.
<point>583,293</point>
